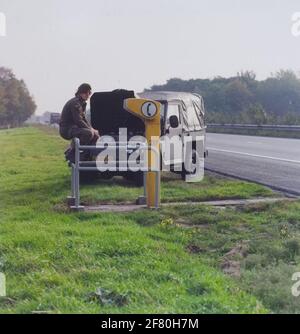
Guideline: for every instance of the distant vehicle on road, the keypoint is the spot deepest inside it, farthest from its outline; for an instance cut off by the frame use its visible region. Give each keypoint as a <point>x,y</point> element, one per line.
<point>54,118</point>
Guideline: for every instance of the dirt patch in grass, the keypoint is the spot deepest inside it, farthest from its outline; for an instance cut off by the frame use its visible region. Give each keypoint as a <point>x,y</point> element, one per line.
<point>194,249</point>
<point>231,262</point>
<point>6,301</point>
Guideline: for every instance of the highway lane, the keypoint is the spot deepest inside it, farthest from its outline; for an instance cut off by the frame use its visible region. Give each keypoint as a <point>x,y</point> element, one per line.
<point>271,161</point>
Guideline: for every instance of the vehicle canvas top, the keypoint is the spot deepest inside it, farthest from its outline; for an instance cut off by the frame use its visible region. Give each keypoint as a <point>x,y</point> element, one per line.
<point>193,110</point>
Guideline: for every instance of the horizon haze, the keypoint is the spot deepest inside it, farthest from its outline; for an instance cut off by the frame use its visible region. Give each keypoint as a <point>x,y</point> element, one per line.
<point>55,46</point>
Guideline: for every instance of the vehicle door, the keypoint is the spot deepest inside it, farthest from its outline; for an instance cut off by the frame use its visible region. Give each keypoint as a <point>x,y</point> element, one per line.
<point>172,146</point>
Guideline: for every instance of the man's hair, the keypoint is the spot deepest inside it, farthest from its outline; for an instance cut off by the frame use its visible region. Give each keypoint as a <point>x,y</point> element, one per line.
<point>84,88</point>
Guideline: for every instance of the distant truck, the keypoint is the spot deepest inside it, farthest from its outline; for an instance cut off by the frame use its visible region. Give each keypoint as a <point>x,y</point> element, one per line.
<point>54,118</point>
<point>182,115</point>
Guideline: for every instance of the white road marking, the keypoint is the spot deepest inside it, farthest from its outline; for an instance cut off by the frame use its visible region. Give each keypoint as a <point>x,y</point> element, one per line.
<point>254,155</point>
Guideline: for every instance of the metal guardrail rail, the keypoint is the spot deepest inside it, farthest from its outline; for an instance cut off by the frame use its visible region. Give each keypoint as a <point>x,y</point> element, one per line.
<point>91,166</point>
<point>292,128</point>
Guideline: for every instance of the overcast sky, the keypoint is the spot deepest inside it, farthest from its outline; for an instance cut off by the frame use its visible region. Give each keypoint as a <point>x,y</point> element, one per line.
<point>55,45</point>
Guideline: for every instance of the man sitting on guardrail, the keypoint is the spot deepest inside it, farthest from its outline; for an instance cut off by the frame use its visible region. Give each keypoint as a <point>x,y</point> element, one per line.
<point>73,122</point>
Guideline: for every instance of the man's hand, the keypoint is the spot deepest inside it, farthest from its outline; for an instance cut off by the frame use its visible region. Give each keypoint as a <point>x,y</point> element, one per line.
<point>96,133</point>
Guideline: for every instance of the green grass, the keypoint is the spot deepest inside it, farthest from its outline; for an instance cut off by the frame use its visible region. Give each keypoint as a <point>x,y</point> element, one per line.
<point>173,189</point>
<point>266,243</point>
<point>165,261</point>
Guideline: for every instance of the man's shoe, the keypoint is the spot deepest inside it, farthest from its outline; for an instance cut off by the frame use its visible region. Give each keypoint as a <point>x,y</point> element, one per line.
<point>70,155</point>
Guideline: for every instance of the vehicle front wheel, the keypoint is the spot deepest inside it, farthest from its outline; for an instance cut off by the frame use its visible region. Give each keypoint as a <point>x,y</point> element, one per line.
<point>192,164</point>
<point>137,178</point>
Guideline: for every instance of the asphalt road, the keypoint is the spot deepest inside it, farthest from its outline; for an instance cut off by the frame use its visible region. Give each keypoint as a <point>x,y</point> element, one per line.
<point>273,162</point>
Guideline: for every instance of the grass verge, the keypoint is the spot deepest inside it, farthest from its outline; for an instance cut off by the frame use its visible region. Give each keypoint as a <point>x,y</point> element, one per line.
<point>166,261</point>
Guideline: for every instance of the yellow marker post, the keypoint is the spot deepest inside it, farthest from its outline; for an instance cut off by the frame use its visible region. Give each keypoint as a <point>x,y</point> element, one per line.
<point>149,112</point>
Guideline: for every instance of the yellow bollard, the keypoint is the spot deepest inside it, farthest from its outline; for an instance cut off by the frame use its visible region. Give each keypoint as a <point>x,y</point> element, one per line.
<point>149,112</point>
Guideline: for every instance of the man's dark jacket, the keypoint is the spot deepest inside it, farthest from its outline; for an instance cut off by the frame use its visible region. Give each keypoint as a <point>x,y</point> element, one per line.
<point>73,115</point>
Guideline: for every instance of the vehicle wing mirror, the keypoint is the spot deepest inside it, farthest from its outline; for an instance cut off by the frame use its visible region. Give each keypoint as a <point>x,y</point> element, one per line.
<point>174,121</point>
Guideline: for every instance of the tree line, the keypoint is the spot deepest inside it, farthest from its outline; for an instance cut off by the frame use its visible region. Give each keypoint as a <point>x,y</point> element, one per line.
<point>244,99</point>
<point>16,103</point>
<point>238,99</point>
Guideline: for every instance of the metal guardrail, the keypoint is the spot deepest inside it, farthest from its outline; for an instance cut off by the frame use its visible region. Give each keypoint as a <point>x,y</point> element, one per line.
<point>292,128</point>
<point>89,166</point>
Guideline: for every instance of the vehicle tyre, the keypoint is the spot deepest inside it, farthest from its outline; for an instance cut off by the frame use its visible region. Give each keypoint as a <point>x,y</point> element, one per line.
<point>88,177</point>
<point>136,177</point>
<point>105,175</point>
<point>193,160</point>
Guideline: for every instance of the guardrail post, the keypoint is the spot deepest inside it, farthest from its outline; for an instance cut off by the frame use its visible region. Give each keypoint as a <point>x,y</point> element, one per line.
<point>145,184</point>
<point>142,200</point>
<point>157,190</point>
<point>71,199</point>
<point>77,206</point>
